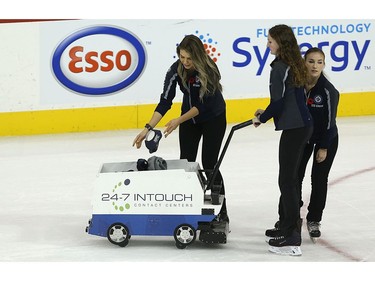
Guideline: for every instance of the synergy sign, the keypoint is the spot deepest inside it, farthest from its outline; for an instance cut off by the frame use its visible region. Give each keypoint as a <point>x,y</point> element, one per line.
<point>98,60</point>
<point>342,50</point>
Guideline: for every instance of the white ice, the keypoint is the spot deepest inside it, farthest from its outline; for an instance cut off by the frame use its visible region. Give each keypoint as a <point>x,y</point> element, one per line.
<point>46,189</point>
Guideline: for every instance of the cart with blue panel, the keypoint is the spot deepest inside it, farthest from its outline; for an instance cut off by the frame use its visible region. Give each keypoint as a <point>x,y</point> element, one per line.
<point>180,201</point>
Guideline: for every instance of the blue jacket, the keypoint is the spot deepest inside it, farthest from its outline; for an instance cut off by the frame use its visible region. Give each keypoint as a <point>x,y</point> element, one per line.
<point>322,101</point>
<point>211,106</point>
<point>287,104</point>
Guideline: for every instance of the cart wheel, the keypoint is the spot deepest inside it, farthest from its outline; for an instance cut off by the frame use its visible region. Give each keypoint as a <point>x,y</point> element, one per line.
<point>118,234</point>
<point>184,235</point>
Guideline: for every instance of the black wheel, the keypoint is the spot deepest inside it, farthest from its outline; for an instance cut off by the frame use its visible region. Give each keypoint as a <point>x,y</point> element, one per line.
<point>184,235</point>
<point>118,234</point>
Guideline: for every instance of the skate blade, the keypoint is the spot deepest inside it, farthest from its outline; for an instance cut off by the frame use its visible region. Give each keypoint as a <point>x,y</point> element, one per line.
<point>286,250</point>
<point>314,239</point>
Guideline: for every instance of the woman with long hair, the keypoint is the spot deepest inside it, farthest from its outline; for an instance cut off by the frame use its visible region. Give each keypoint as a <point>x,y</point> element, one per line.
<point>290,114</point>
<point>203,110</point>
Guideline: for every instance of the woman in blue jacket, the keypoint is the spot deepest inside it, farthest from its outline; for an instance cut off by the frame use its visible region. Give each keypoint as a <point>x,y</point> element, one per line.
<point>203,110</point>
<point>322,100</point>
<point>290,114</point>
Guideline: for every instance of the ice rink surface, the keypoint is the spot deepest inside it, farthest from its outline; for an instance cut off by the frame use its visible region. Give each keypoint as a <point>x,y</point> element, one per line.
<point>46,189</point>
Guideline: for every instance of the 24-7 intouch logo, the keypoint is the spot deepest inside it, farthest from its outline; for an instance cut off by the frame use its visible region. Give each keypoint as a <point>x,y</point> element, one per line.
<point>99,60</point>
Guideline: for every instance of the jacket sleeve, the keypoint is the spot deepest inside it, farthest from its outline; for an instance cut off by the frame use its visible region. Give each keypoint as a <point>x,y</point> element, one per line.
<point>332,96</point>
<point>169,90</point>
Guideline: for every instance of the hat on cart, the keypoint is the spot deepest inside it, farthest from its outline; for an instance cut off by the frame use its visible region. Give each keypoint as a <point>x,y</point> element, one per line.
<point>142,164</point>
<point>157,163</point>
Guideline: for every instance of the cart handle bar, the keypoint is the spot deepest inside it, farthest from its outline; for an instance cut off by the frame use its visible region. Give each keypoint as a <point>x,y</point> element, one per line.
<point>216,169</point>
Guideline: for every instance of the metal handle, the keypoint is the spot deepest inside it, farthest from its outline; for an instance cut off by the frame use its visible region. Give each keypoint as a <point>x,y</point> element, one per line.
<point>216,169</point>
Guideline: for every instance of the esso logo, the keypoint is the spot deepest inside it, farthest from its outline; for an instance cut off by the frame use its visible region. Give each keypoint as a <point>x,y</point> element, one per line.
<point>98,60</point>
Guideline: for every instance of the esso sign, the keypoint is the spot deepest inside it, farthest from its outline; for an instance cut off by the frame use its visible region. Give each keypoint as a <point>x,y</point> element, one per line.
<point>98,60</point>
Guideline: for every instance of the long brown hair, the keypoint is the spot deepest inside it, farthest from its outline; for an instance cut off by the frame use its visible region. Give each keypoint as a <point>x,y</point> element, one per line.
<point>289,52</point>
<point>208,71</point>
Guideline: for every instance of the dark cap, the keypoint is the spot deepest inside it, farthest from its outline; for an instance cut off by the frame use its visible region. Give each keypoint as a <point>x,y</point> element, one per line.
<point>152,140</point>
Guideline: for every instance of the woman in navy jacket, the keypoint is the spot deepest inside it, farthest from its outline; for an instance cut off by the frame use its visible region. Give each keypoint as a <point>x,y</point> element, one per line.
<point>322,100</point>
<point>203,110</point>
<point>290,114</point>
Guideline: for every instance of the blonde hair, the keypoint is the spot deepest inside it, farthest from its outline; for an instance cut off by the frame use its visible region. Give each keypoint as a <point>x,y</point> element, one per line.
<point>208,71</point>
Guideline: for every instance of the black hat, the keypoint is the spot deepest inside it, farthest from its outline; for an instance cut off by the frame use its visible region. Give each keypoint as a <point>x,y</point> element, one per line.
<point>142,164</point>
<point>152,140</point>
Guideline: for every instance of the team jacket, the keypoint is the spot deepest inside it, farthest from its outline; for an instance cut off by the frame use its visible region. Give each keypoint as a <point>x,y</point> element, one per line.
<point>322,101</point>
<point>287,103</point>
<point>210,107</point>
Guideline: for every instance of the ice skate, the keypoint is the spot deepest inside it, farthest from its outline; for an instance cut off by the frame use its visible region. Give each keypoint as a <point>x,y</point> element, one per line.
<point>289,245</point>
<point>273,232</point>
<point>313,228</point>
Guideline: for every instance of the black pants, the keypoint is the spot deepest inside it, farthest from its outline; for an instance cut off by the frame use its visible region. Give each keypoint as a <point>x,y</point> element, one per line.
<point>319,178</point>
<point>213,132</point>
<point>291,146</point>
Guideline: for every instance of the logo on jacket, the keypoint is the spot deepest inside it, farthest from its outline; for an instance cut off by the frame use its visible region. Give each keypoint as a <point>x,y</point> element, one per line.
<point>318,99</point>
<point>194,81</point>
